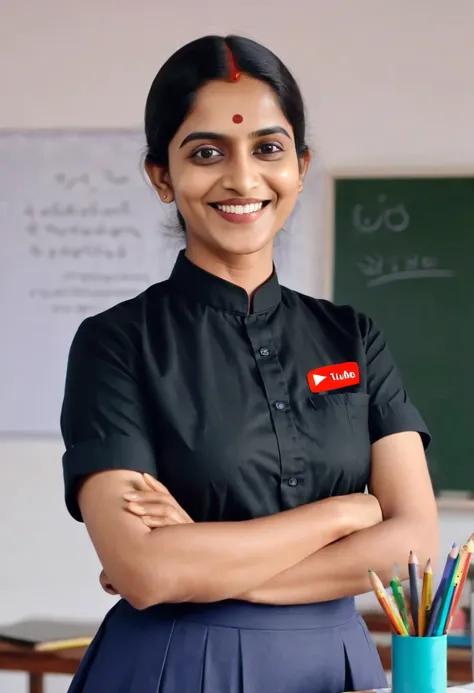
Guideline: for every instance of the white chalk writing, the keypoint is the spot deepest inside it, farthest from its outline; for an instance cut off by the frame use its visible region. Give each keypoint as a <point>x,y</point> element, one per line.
<point>382,270</point>
<point>395,219</point>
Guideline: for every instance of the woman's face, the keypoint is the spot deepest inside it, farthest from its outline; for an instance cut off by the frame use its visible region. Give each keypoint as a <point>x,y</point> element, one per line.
<point>233,168</point>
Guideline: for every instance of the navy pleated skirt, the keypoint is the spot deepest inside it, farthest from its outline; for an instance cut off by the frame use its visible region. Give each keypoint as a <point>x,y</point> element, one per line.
<point>231,647</point>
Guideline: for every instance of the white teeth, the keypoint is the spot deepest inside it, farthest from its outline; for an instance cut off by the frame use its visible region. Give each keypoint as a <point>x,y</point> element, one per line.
<point>241,209</point>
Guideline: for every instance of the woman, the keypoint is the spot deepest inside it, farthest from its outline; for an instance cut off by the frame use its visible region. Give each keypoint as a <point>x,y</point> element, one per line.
<point>222,487</point>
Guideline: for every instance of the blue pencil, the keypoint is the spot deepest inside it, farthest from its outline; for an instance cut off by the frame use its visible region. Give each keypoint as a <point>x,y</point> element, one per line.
<point>441,622</point>
<point>443,586</point>
<point>434,618</point>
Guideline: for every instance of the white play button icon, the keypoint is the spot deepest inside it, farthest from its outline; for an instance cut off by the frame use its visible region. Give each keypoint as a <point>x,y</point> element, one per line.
<point>318,378</point>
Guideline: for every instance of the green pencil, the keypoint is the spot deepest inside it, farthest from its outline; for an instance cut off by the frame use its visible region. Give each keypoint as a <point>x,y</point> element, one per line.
<point>399,596</point>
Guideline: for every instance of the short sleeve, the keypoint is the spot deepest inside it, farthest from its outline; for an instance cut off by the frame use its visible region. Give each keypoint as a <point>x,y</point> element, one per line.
<point>390,408</point>
<point>103,420</point>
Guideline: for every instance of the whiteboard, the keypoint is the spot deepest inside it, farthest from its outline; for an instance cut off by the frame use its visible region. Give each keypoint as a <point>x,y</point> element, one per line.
<point>81,230</point>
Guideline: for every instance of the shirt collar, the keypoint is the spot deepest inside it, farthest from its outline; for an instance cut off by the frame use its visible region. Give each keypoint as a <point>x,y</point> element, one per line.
<point>205,287</point>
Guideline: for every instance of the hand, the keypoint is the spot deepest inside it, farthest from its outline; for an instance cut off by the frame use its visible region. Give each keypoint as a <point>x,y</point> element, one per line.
<point>360,511</point>
<point>156,506</point>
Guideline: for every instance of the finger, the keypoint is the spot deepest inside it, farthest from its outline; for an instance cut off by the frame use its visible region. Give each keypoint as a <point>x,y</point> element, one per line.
<point>162,510</point>
<point>157,496</point>
<point>148,497</point>
<point>175,511</point>
<point>168,515</point>
<point>151,508</point>
<point>136,509</point>
<point>154,483</point>
<point>153,522</point>
<point>141,501</point>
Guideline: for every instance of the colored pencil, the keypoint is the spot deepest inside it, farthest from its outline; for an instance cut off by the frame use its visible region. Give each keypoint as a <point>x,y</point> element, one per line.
<point>440,594</point>
<point>465,563</point>
<point>450,588</point>
<point>434,618</point>
<point>414,597</point>
<point>394,607</point>
<point>399,597</point>
<point>405,615</point>
<point>418,613</point>
<point>384,601</point>
<point>426,594</point>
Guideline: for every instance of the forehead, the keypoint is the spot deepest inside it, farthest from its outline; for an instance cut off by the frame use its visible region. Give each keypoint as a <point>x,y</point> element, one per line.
<point>218,101</point>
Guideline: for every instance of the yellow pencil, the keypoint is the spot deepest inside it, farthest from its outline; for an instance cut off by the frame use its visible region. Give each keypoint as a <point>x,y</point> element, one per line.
<point>426,597</point>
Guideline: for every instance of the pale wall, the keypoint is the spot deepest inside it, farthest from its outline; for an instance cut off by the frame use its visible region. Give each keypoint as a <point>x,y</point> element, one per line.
<point>389,87</point>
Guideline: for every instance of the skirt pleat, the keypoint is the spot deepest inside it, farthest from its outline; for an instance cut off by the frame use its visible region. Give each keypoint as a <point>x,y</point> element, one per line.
<point>231,647</point>
<point>223,665</point>
<point>185,664</point>
<point>362,659</point>
<point>305,661</point>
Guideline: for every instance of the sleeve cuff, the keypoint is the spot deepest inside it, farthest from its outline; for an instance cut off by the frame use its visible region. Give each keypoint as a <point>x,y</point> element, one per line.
<point>98,455</point>
<point>396,418</point>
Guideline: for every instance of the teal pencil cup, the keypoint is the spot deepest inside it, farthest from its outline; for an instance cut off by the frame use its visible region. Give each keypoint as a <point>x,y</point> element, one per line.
<point>419,665</point>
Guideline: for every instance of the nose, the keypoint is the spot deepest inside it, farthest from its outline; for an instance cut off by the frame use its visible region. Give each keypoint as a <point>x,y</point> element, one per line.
<point>242,175</point>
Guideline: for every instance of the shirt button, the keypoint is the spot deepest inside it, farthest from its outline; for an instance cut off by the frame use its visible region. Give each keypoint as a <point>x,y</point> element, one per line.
<point>264,351</point>
<point>293,481</point>
<point>280,405</point>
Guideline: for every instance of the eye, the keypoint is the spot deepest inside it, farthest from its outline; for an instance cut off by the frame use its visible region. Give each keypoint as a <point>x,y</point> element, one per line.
<point>205,153</point>
<point>269,148</point>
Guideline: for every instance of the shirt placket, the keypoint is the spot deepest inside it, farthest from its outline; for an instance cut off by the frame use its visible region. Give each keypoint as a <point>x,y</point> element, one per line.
<point>292,476</point>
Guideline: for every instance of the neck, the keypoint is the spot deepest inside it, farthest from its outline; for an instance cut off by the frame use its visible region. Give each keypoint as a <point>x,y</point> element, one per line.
<point>247,271</point>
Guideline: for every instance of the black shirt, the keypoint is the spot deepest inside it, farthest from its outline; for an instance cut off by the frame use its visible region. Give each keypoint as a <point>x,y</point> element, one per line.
<point>190,384</point>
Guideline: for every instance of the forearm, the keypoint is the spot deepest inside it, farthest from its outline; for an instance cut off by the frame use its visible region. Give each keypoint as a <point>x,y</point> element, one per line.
<point>341,569</point>
<point>206,562</point>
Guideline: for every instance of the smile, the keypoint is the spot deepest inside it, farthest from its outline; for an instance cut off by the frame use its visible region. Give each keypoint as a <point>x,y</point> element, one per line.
<point>240,213</point>
<point>241,209</point>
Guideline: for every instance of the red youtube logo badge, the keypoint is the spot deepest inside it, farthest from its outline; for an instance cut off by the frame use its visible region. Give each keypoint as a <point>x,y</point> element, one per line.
<point>334,377</point>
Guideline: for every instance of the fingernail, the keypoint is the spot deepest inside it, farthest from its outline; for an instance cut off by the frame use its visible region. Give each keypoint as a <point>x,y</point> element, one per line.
<point>131,496</point>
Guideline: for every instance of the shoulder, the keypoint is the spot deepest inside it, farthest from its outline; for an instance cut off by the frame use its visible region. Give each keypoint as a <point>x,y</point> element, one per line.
<point>123,322</point>
<point>343,318</point>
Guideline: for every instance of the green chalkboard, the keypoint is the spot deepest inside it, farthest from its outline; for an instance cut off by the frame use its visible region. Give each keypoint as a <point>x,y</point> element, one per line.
<point>404,254</point>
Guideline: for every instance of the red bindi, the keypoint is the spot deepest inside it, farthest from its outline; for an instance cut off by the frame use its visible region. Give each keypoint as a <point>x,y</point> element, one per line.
<point>237,118</point>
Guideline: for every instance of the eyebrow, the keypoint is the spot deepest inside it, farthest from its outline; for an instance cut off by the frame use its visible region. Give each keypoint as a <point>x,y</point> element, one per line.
<point>274,130</point>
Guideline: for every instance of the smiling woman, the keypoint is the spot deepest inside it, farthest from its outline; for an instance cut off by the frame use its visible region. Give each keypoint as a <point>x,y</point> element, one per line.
<point>234,184</point>
<point>223,494</point>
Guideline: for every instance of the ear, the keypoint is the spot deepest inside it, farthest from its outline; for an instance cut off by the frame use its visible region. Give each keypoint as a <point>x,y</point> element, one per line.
<point>304,162</point>
<point>160,179</point>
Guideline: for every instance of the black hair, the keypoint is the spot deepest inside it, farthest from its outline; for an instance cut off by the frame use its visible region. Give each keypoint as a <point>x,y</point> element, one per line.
<point>174,88</point>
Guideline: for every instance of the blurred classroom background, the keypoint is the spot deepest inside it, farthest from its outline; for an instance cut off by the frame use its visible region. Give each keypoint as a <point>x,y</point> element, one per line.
<point>389,91</point>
